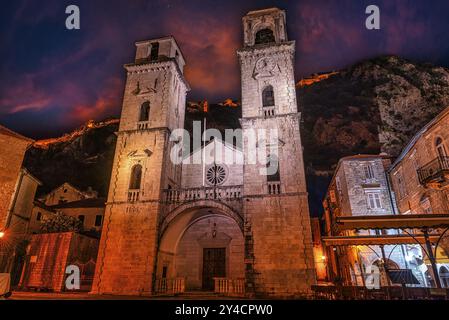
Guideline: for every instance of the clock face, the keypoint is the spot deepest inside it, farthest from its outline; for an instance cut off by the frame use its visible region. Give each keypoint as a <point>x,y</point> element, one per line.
<point>265,65</point>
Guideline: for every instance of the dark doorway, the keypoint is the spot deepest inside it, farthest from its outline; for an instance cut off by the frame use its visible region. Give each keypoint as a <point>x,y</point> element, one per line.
<point>214,265</point>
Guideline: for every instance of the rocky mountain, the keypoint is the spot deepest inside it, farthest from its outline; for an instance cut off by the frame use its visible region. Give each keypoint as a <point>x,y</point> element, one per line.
<point>374,106</point>
<point>83,158</point>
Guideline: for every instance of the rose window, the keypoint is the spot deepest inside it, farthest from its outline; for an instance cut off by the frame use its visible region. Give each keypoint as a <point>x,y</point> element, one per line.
<point>216,175</point>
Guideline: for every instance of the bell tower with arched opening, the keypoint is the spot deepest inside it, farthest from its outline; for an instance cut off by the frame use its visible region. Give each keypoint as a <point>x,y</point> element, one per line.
<point>278,242</point>
<point>153,106</point>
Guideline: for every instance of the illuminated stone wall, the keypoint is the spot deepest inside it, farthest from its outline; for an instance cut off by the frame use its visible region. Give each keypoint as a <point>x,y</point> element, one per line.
<point>12,151</point>
<point>279,256</point>
<point>49,255</point>
<point>128,246</point>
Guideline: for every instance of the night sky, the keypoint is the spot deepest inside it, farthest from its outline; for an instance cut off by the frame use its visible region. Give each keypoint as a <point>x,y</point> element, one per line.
<point>53,79</point>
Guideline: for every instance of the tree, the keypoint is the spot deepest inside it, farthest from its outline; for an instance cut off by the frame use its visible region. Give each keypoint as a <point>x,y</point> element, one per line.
<point>61,223</point>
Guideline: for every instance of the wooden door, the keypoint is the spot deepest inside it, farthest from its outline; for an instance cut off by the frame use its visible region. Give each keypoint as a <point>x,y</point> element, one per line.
<point>214,265</point>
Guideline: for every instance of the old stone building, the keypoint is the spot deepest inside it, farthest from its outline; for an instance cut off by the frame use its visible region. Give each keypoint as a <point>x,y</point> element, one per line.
<point>72,202</point>
<point>39,215</point>
<point>17,191</point>
<point>49,255</point>
<point>89,211</point>
<point>17,232</point>
<point>12,150</point>
<point>420,178</point>
<point>204,225</point>
<point>67,193</point>
<point>360,187</point>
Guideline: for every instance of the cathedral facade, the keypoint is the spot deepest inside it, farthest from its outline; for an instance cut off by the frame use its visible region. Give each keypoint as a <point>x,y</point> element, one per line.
<point>199,225</point>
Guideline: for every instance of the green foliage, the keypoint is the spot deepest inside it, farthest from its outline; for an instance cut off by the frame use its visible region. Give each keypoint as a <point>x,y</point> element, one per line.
<point>61,223</point>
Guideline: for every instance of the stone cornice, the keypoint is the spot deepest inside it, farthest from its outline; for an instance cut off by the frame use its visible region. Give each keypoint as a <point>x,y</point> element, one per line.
<point>166,129</point>
<point>282,195</point>
<point>157,66</point>
<point>285,115</point>
<point>288,46</point>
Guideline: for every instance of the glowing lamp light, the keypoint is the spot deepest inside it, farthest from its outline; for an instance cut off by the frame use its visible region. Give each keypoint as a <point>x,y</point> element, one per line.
<point>323,258</point>
<point>2,234</point>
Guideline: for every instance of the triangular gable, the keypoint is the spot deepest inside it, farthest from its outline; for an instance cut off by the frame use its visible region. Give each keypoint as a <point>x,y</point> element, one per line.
<point>66,185</point>
<point>207,151</point>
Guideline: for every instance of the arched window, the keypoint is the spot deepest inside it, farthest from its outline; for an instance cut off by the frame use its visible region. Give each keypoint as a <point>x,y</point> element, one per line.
<point>268,97</point>
<point>264,36</point>
<point>136,177</point>
<point>444,276</point>
<point>273,169</point>
<point>144,111</point>
<point>390,265</point>
<point>441,149</point>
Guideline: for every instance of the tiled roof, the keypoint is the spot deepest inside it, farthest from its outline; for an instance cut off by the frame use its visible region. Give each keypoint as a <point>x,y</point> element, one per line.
<point>42,205</point>
<point>85,203</point>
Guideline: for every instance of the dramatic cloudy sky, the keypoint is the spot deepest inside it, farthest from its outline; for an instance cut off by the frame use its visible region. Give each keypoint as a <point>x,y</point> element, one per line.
<point>52,79</point>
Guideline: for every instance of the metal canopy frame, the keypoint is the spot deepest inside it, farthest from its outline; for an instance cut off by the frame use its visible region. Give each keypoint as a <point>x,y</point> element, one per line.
<point>424,222</point>
<point>409,221</point>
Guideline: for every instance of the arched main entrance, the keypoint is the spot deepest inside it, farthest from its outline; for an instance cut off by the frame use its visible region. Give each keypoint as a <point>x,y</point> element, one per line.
<point>200,244</point>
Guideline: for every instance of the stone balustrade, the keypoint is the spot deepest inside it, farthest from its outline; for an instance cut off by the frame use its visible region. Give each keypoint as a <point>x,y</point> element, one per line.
<point>274,187</point>
<point>229,193</point>
<point>143,125</point>
<point>133,195</point>
<point>169,286</point>
<point>229,287</point>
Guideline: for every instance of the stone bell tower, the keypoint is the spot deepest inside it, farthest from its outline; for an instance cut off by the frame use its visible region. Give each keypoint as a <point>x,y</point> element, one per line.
<point>153,106</point>
<point>278,241</point>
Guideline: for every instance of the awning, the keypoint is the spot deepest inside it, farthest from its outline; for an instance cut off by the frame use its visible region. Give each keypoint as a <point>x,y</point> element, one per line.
<point>402,276</point>
<point>377,240</point>
<point>409,221</point>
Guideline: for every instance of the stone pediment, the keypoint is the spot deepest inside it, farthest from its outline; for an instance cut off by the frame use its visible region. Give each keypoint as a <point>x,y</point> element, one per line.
<point>140,153</point>
<point>140,92</point>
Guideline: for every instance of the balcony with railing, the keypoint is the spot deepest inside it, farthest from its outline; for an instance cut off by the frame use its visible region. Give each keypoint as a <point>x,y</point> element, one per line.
<point>435,174</point>
<point>229,287</point>
<point>274,187</point>
<point>133,195</point>
<point>166,286</point>
<point>269,111</point>
<point>143,125</point>
<point>229,193</point>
